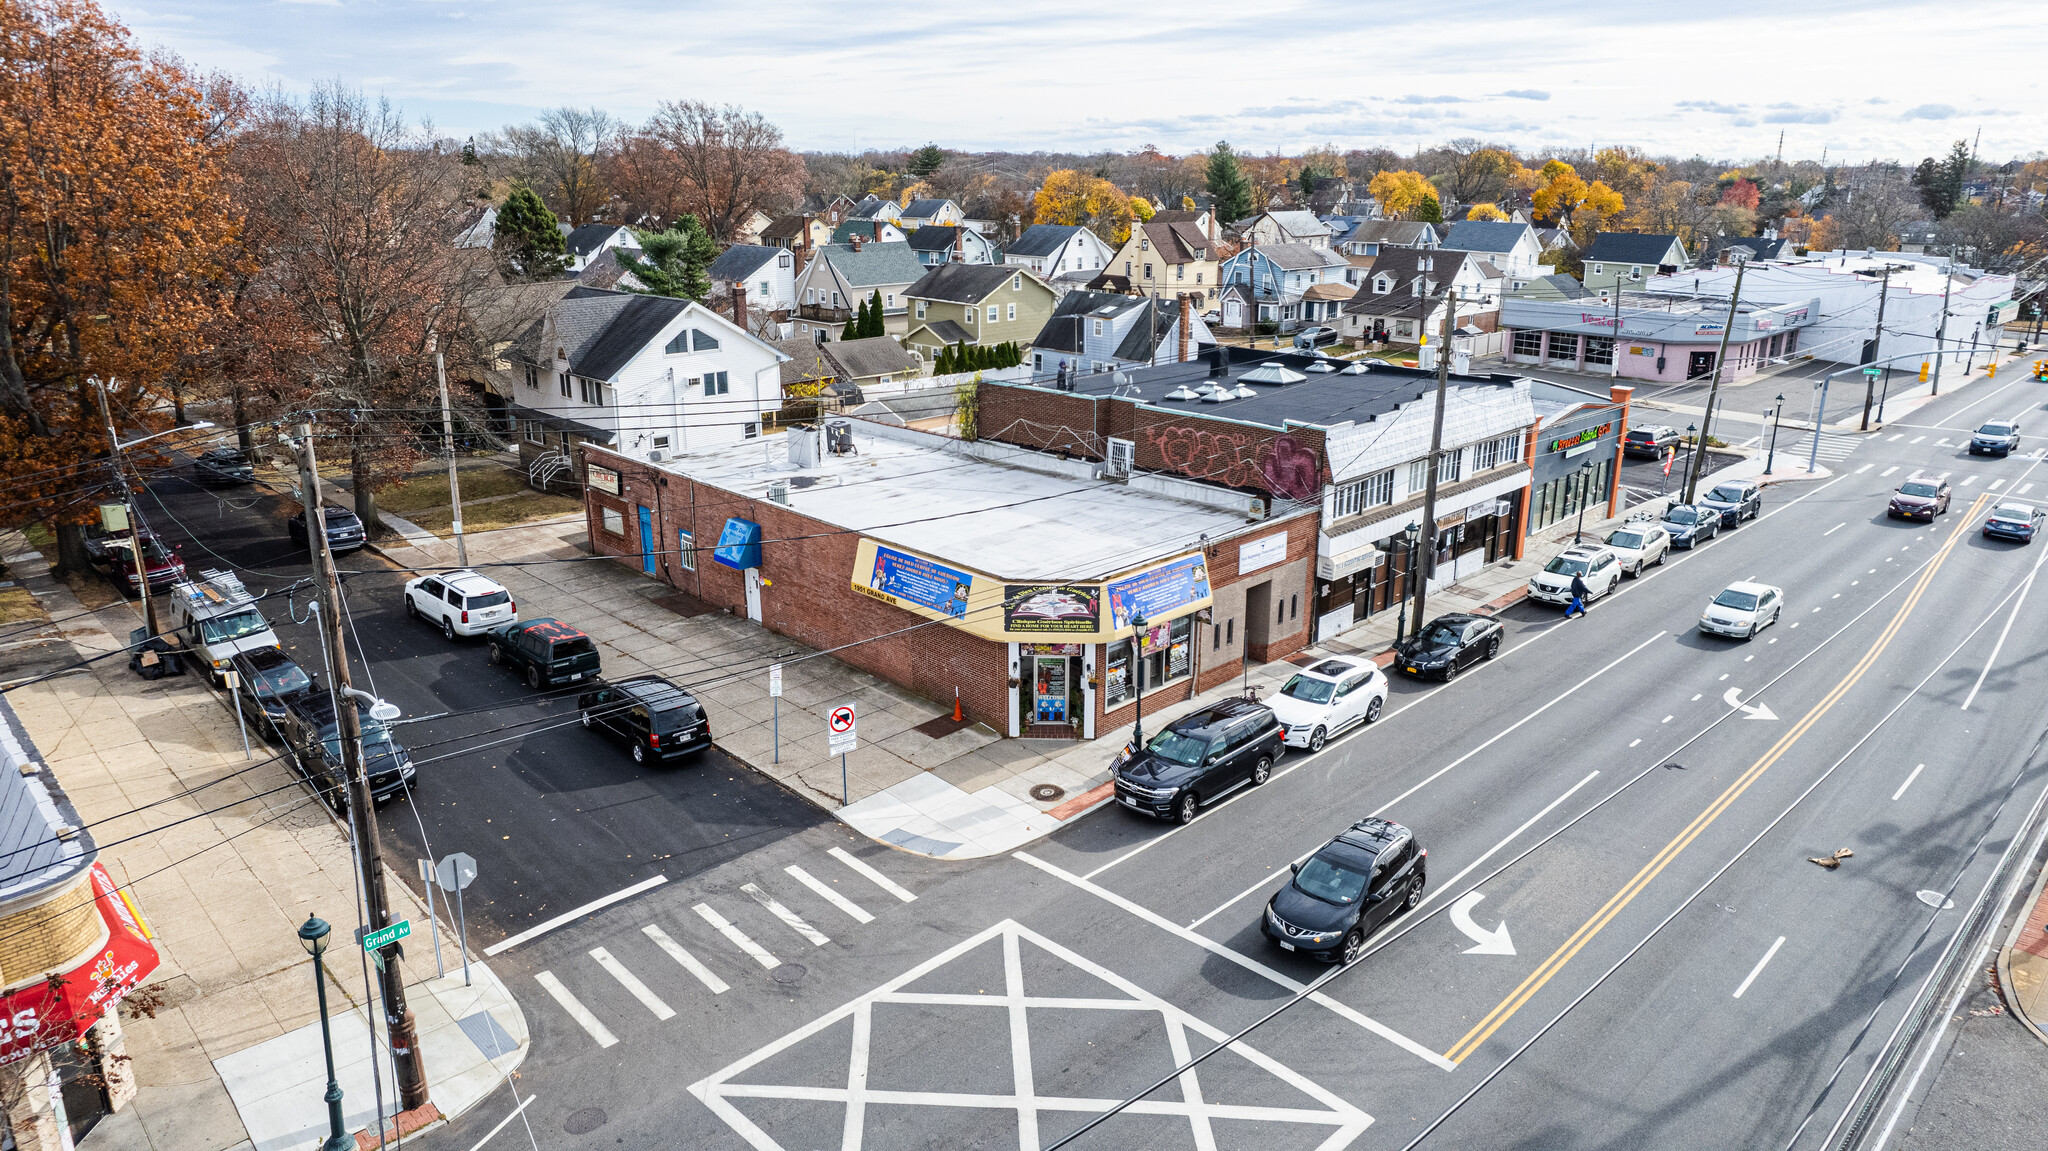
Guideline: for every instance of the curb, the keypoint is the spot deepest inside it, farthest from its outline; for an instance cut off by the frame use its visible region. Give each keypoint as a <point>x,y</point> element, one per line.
<point>2004,965</point>
<point>425,1117</point>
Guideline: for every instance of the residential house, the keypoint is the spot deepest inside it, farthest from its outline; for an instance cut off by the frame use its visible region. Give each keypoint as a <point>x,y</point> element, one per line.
<point>605,271</point>
<point>1513,248</point>
<point>1343,197</point>
<point>646,376</point>
<point>975,304</point>
<point>1365,236</point>
<point>797,233</point>
<point>749,230</point>
<point>1053,250</point>
<point>1289,285</point>
<point>1515,214</point>
<point>1094,332</point>
<point>1203,219</point>
<point>591,240</point>
<point>1169,260</point>
<point>1556,240</point>
<point>923,213</point>
<point>840,369</point>
<point>1742,249</point>
<point>480,227</point>
<point>828,206</point>
<point>1553,287</point>
<point>843,276</point>
<point>1403,297</point>
<point>1630,259</point>
<point>874,208</point>
<point>951,244</point>
<point>869,231</point>
<point>1285,227</point>
<point>768,275</point>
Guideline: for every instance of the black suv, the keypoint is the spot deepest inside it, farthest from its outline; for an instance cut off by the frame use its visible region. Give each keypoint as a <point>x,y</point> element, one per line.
<point>222,466</point>
<point>551,651</point>
<point>1372,871</point>
<point>268,680</point>
<point>1200,757</point>
<point>312,731</point>
<point>1651,440</point>
<point>344,530</point>
<point>659,719</point>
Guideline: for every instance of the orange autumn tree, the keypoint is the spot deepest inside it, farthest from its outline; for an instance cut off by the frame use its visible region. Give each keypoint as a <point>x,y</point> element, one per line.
<point>116,223</point>
<point>1572,203</point>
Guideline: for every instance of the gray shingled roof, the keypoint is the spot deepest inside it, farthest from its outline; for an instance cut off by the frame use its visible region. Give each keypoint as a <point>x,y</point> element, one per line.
<point>934,237</point>
<point>1400,233</point>
<point>1302,257</point>
<point>872,356</point>
<point>962,283</point>
<point>587,238</point>
<point>32,808</point>
<point>1485,235</point>
<point>1042,239</point>
<point>1298,223</point>
<point>951,332</point>
<point>1629,247</point>
<point>925,209</point>
<point>875,265</point>
<point>740,261</point>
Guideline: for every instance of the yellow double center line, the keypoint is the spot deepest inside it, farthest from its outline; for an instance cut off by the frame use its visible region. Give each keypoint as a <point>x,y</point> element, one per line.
<point>1563,955</point>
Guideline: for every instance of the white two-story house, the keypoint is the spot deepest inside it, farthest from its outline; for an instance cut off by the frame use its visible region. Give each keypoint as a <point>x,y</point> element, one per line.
<point>1287,284</point>
<point>1053,250</point>
<point>767,273</point>
<point>1515,249</point>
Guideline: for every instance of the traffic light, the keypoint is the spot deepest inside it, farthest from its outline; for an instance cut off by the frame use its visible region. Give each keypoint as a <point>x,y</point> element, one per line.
<point>1923,371</point>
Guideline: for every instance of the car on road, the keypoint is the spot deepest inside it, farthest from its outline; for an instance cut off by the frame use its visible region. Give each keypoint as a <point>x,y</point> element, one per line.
<point>267,680</point>
<point>460,602</point>
<point>658,719</point>
<point>1315,337</point>
<point>222,466</point>
<point>1450,644</point>
<point>1691,525</point>
<point>115,554</point>
<point>1921,497</point>
<point>1371,872</point>
<point>546,650</point>
<point>1651,440</point>
<point>1640,544</point>
<point>1742,610</point>
<point>1201,757</point>
<point>216,620</point>
<point>1736,500</point>
<point>312,731</point>
<point>344,530</point>
<point>1996,438</point>
<point>1330,696</point>
<point>1599,567</point>
<point>2011,521</point>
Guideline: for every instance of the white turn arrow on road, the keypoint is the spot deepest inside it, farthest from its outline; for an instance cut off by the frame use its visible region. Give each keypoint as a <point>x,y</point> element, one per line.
<point>1495,942</point>
<point>1756,710</point>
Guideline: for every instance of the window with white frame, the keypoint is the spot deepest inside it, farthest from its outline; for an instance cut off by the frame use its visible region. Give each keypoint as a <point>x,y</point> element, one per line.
<point>994,313</point>
<point>1451,466</point>
<point>1017,282</point>
<point>1012,312</point>
<point>765,293</point>
<point>1495,452</point>
<point>680,345</point>
<point>1373,491</point>
<point>703,341</point>
<point>810,295</point>
<point>717,383</point>
<point>532,430</point>
<point>1098,327</point>
<point>562,380</point>
<point>1418,476</point>
<point>614,520</point>
<point>591,391</point>
<point>920,309</point>
<point>889,300</point>
<point>686,550</point>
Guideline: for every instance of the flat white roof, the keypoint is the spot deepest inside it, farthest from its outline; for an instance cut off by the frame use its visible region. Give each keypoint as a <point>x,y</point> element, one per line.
<point>1001,520</point>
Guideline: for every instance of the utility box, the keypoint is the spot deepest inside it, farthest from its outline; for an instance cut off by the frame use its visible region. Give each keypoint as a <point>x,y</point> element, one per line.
<point>114,517</point>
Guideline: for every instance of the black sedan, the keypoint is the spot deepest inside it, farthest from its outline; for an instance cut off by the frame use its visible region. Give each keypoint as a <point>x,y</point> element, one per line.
<point>1450,644</point>
<point>344,530</point>
<point>2014,522</point>
<point>1691,524</point>
<point>1373,871</point>
<point>222,466</point>
<point>1919,498</point>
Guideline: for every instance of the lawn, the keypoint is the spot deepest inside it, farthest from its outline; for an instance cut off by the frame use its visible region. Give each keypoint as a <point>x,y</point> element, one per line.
<point>18,605</point>
<point>523,508</point>
<point>430,489</point>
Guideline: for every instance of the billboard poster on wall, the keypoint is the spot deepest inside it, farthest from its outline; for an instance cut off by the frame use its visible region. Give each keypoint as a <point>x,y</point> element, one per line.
<point>1160,591</point>
<point>915,579</point>
<point>1035,608</point>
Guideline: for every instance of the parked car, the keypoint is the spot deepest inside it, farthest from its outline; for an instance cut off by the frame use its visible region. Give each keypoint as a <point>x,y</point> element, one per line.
<point>344,530</point>
<point>1640,544</point>
<point>461,602</point>
<point>549,651</point>
<point>268,680</point>
<point>1600,568</point>
<point>2014,522</point>
<point>1371,872</point>
<point>1315,337</point>
<point>1996,438</point>
<point>1201,757</point>
<point>115,553</point>
<point>1742,610</point>
<point>1736,500</point>
<point>1691,525</point>
<point>1651,440</point>
<point>1450,644</point>
<point>1918,498</point>
<point>222,466</point>
<point>655,717</point>
<point>1331,696</point>
<point>312,731</point>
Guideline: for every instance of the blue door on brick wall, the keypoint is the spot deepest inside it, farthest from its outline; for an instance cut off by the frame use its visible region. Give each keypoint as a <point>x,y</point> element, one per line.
<point>647,541</point>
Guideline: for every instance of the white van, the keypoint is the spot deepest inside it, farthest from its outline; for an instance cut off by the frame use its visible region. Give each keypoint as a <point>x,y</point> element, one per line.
<point>216,618</point>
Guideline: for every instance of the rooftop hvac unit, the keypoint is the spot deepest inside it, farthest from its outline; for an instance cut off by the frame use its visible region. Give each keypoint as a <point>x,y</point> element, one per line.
<point>839,438</point>
<point>655,456</point>
<point>803,447</point>
<point>778,492</point>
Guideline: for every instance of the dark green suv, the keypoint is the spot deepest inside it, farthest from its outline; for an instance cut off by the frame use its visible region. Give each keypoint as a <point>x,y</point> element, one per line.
<point>549,650</point>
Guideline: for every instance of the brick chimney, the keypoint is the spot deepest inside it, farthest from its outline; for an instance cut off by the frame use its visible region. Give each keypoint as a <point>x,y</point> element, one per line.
<point>1187,324</point>
<point>854,238</point>
<point>959,246</point>
<point>739,305</point>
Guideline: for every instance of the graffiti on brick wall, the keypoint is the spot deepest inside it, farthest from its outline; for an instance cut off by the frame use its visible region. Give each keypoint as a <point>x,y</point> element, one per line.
<point>1280,464</point>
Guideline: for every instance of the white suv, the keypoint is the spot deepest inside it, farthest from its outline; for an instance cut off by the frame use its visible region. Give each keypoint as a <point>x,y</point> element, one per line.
<point>1640,544</point>
<point>1322,700</point>
<point>461,601</point>
<point>1599,566</point>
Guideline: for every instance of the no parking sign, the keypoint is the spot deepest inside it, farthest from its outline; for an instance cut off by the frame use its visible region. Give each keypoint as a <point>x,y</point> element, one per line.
<point>841,729</point>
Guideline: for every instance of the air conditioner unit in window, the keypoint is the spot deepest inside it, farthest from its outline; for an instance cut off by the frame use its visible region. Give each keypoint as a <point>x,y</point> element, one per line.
<point>1122,457</point>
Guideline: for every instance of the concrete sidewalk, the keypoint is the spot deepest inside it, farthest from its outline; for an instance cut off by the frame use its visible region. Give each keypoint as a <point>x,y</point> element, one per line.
<point>227,855</point>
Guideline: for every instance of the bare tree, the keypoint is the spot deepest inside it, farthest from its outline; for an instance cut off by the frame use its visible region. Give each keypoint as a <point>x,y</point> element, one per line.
<point>726,161</point>
<point>1878,199</point>
<point>564,157</point>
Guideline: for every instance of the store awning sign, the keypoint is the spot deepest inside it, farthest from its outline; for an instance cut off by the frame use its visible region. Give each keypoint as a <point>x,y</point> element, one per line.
<point>915,579</point>
<point>1577,438</point>
<point>739,545</point>
<point>1160,592</point>
<point>58,1010</point>
<point>1030,608</point>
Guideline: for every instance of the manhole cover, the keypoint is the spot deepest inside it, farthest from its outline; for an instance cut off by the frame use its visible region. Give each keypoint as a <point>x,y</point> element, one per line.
<point>788,973</point>
<point>585,1121</point>
<point>1047,792</point>
<point>1934,899</point>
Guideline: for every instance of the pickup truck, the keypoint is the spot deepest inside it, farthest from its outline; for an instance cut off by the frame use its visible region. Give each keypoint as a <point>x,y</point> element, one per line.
<point>548,650</point>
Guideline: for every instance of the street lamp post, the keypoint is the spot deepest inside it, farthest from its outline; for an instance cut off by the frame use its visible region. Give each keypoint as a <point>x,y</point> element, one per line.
<point>1138,680</point>
<point>1585,497</point>
<point>1408,587</point>
<point>1692,430</point>
<point>1771,464</point>
<point>313,937</point>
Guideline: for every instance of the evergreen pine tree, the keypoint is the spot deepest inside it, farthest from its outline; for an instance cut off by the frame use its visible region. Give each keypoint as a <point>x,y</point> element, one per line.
<point>876,325</point>
<point>858,326</point>
<point>675,262</point>
<point>529,239</point>
<point>1228,187</point>
<point>927,160</point>
<point>943,364</point>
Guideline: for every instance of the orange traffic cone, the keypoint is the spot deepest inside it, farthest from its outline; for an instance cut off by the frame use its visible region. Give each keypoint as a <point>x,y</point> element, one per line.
<point>957,717</point>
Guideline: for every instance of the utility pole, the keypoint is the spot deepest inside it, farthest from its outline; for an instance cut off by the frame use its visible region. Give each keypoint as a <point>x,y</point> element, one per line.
<point>1876,349</point>
<point>448,445</point>
<point>1436,445</point>
<point>115,460</point>
<point>1614,368</point>
<point>1948,278</point>
<point>362,817</point>
<point>1699,459</point>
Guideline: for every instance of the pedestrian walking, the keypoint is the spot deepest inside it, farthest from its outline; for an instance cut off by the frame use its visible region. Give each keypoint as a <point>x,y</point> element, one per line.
<point>1579,593</point>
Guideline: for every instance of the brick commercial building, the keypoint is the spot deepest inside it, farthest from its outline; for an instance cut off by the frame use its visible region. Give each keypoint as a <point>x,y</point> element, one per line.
<point>1007,575</point>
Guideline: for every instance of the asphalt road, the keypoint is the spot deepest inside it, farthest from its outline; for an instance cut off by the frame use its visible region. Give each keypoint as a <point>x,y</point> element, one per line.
<point>1681,974</point>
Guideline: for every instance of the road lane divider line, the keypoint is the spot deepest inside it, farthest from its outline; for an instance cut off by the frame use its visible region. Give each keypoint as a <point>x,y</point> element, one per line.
<point>1242,960</point>
<point>1910,777</point>
<point>738,938</point>
<point>824,891</point>
<point>631,983</point>
<point>1506,1009</point>
<point>576,1010</point>
<point>532,933</point>
<point>2025,587</point>
<point>1759,968</point>
<point>790,919</point>
<point>877,878</point>
<point>503,1123</point>
<point>690,963</point>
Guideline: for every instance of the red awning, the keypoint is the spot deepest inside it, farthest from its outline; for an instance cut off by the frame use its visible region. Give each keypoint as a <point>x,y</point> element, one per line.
<point>62,1008</point>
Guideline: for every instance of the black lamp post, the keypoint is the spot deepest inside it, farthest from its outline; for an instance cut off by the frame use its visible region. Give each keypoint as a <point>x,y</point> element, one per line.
<point>313,937</point>
<point>1771,464</point>
<point>1408,587</point>
<point>1585,497</point>
<point>1138,679</point>
<point>1692,430</point>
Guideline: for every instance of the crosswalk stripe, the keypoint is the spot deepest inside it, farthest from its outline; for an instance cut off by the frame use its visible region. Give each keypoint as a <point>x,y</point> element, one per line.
<point>2025,488</point>
<point>1968,480</point>
<point>1895,437</point>
<point>738,937</point>
<point>1996,484</point>
<point>690,962</point>
<point>575,1008</point>
<point>1864,468</point>
<point>1889,470</point>
<point>880,880</point>
<point>789,918</point>
<point>631,982</point>
<point>828,895</point>
<point>1917,439</point>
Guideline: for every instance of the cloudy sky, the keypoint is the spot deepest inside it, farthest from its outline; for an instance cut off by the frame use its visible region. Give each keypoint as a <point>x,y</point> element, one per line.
<point>1871,78</point>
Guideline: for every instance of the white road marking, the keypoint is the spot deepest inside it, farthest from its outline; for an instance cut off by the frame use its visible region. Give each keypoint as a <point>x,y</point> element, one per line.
<point>789,918</point>
<point>1694,699</point>
<point>631,982</point>
<point>1837,595</point>
<point>1968,480</point>
<point>2025,488</point>
<point>690,962</point>
<point>1495,942</point>
<point>2025,587</point>
<point>1666,719</point>
<point>1994,485</point>
<point>877,878</point>
<point>572,916</point>
<point>739,938</point>
<point>1940,444</point>
<point>576,1010</point>
<point>1634,742</point>
<point>1913,775</point>
<point>826,893</point>
<point>1864,468</point>
<point>1889,470</point>
<point>1759,968</point>
<point>1833,530</point>
<point>1894,438</point>
<point>1244,961</point>
<point>1944,475</point>
<point>1917,439</point>
<point>1724,675</point>
<point>509,1117</point>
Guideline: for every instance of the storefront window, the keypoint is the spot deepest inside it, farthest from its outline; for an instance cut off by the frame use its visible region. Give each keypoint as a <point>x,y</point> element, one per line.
<point>1169,656</point>
<point>1600,350</point>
